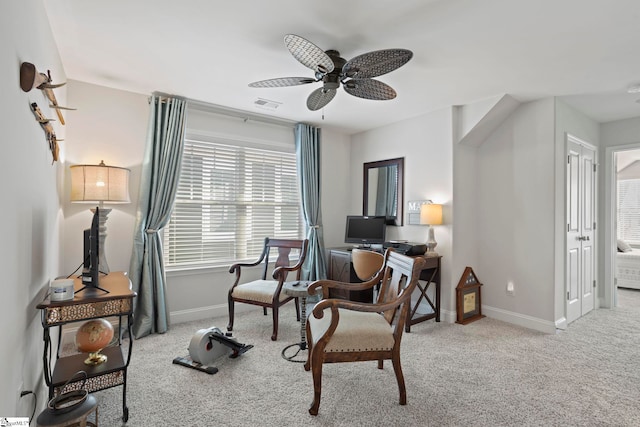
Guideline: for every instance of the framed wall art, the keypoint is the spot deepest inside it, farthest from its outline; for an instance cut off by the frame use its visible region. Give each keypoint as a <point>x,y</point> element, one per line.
<point>468,298</point>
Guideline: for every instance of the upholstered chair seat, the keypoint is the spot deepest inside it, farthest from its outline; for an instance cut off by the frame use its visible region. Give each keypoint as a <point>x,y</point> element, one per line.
<point>257,290</point>
<point>356,331</point>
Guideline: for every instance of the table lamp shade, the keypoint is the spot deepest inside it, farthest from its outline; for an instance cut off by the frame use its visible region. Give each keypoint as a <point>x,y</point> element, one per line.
<point>431,214</point>
<point>99,183</point>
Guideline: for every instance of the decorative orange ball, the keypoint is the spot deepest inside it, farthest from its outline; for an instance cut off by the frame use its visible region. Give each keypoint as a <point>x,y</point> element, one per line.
<point>94,335</point>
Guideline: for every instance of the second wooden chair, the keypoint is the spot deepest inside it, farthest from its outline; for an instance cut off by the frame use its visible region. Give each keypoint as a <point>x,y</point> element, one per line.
<point>267,292</point>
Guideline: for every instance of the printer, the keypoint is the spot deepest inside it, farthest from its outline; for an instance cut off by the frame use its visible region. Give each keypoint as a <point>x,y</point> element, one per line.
<point>406,248</point>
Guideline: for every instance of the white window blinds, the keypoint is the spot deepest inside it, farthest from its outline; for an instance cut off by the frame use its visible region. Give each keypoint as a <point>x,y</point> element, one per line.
<point>230,197</point>
<point>629,210</point>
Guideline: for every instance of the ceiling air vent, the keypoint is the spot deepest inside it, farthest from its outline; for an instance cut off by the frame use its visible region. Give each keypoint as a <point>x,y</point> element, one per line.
<point>267,104</point>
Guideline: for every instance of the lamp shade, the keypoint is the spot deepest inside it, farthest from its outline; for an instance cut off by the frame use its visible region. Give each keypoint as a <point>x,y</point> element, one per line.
<point>99,183</point>
<point>431,214</point>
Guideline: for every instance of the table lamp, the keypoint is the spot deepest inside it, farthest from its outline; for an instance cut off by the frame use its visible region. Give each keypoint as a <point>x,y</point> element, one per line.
<point>100,184</point>
<point>431,214</point>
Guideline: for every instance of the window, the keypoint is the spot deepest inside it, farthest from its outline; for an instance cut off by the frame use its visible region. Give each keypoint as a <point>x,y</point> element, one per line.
<point>629,210</point>
<point>230,197</point>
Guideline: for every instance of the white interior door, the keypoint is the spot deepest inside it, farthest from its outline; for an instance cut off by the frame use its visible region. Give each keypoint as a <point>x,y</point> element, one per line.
<point>581,225</point>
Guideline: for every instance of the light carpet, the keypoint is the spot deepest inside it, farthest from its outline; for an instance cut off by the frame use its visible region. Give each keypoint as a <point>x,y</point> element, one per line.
<point>487,373</point>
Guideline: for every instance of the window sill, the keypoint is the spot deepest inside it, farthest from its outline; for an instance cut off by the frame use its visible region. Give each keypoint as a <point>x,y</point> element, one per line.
<point>198,270</point>
<point>191,271</point>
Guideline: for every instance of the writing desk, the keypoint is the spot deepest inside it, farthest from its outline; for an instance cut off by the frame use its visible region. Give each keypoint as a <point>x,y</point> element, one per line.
<point>87,304</point>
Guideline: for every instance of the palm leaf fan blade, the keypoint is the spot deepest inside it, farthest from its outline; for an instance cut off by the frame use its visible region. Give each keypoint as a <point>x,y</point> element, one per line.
<point>282,82</point>
<point>319,98</point>
<point>308,54</point>
<point>377,63</point>
<point>369,89</point>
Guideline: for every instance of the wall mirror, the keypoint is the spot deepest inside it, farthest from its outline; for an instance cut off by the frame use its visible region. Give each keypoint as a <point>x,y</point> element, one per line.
<point>382,194</point>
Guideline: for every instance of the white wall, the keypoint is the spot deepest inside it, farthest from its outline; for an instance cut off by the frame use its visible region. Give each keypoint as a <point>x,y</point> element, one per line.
<point>620,132</point>
<point>109,125</point>
<point>31,218</point>
<point>426,144</point>
<point>515,215</point>
<point>336,176</point>
<point>465,199</point>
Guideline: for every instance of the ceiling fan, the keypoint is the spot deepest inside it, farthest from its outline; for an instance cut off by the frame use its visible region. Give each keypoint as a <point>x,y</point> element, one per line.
<point>356,75</point>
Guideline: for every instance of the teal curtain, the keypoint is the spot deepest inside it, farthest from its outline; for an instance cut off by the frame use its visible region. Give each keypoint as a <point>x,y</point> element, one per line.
<point>307,140</point>
<point>158,185</point>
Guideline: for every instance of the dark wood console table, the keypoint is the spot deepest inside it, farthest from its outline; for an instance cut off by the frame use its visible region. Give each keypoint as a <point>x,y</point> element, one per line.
<point>341,269</point>
<point>90,304</point>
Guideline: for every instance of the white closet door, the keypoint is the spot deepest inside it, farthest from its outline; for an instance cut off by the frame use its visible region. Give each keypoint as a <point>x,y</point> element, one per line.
<point>581,224</point>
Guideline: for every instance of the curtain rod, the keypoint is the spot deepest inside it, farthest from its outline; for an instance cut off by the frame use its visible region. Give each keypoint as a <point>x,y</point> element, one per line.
<point>244,115</point>
<point>164,97</point>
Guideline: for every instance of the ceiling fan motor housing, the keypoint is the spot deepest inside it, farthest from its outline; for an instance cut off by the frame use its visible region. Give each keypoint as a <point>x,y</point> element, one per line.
<point>332,80</point>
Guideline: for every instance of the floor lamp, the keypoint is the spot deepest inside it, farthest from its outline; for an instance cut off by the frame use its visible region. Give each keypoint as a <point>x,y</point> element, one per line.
<point>100,184</point>
<point>431,214</point>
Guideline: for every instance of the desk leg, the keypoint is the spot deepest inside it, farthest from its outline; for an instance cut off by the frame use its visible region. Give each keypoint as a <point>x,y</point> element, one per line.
<point>430,276</point>
<point>438,297</point>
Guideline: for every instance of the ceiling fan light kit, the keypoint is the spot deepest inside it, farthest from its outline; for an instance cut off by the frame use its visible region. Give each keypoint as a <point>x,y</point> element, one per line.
<point>355,76</point>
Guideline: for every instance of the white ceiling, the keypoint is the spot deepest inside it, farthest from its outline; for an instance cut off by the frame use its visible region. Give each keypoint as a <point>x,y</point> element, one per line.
<point>464,50</point>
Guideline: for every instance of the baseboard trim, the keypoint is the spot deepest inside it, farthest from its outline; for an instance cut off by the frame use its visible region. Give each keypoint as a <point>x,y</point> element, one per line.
<point>208,312</point>
<point>561,323</point>
<point>448,316</point>
<point>520,319</point>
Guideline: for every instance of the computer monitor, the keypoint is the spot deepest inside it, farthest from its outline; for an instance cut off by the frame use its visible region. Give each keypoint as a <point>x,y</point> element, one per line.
<point>365,230</point>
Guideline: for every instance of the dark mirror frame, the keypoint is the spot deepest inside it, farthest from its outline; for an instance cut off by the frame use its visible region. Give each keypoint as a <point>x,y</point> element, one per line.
<point>399,162</point>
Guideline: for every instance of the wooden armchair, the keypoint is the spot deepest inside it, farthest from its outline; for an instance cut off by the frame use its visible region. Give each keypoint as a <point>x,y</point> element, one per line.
<point>266,292</point>
<point>347,331</point>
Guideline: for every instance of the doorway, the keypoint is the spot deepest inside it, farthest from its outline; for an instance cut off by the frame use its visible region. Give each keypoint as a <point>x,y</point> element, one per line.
<point>626,220</point>
<point>608,293</point>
